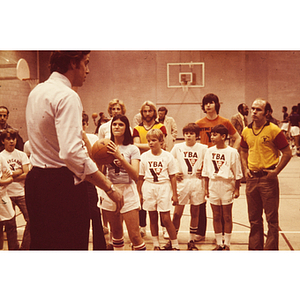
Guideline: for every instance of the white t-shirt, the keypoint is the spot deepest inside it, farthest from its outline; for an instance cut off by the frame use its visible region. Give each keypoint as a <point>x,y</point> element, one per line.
<point>157,168</point>
<point>104,131</point>
<point>222,163</point>
<point>120,175</point>
<point>189,159</point>
<point>16,160</point>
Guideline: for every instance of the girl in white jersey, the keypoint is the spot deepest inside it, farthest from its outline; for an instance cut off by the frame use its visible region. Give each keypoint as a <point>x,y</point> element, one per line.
<point>123,173</point>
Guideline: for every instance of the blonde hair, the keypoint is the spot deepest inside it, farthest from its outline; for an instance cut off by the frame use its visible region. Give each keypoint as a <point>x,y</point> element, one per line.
<point>155,132</point>
<point>113,102</point>
<point>152,106</point>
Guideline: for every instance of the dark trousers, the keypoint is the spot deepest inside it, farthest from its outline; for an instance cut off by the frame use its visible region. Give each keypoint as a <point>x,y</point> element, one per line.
<point>202,222</point>
<point>99,242</point>
<point>263,195</point>
<point>58,210</point>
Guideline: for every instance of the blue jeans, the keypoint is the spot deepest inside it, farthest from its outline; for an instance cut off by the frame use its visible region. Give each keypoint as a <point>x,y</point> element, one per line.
<point>11,233</point>
<point>263,195</point>
<point>20,202</point>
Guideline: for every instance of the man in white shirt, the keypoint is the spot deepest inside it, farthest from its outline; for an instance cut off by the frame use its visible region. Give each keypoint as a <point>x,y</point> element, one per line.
<point>56,200</point>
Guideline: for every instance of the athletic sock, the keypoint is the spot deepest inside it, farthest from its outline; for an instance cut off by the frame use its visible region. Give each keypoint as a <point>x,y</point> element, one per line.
<point>174,244</point>
<point>227,239</point>
<point>118,243</point>
<point>218,237</point>
<point>193,232</point>
<point>140,247</point>
<point>155,241</point>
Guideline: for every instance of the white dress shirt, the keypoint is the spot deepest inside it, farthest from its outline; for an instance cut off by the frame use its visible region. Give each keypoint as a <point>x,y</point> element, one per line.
<point>54,125</point>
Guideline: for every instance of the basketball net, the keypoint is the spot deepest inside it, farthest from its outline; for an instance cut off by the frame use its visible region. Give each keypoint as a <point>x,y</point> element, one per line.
<point>185,85</point>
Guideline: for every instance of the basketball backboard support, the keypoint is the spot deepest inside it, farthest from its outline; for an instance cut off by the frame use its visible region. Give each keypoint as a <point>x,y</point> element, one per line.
<point>180,75</point>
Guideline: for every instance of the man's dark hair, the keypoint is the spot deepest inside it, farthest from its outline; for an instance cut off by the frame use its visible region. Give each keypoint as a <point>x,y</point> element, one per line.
<point>284,108</point>
<point>4,107</point>
<point>85,117</point>
<point>163,109</point>
<point>295,108</point>
<point>210,98</point>
<point>191,127</point>
<point>220,129</point>
<point>241,107</point>
<point>60,60</point>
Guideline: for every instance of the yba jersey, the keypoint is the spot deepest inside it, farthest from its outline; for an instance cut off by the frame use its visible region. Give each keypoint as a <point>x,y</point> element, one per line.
<point>157,168</point>
<point>189,159</point>
<point>224,163</point>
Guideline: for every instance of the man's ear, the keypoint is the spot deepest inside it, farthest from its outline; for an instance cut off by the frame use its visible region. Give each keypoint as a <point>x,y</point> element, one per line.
<point>73,64</point>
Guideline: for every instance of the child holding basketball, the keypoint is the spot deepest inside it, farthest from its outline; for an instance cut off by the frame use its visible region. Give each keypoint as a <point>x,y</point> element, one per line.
<point>222,171</point>
<point>157,186</point>
<point>123,173</point>
<point>189,156</point>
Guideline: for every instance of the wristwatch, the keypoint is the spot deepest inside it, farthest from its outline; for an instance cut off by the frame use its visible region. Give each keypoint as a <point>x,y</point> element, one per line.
<point>111,190</point>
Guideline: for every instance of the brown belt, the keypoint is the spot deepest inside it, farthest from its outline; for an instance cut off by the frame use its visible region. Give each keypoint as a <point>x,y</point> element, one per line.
<point>262,172</point>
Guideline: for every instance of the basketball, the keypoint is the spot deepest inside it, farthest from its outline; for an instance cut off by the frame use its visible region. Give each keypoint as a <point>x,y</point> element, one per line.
<point>94,115</point>
<point>99,152</point>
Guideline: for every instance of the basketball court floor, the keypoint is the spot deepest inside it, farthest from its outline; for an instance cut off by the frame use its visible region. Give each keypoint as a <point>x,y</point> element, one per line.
<point>289,218</point>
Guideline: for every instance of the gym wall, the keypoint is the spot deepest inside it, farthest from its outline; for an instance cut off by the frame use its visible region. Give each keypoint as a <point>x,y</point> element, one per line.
<point>137,76</point>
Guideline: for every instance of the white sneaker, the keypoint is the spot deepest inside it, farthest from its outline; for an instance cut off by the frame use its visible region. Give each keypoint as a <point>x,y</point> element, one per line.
<point>143,231</point>
<point>199,238</point>
<point>165,233</point>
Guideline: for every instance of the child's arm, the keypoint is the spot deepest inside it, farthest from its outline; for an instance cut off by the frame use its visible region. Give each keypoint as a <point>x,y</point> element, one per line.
<point>206,182</point>
<point>174,189</point>
<point>139,187</point>
<point>25,170</point>
<point>6,178</point>
<point>142,147</point>
<point>17,173</point>
<point>236,192</point>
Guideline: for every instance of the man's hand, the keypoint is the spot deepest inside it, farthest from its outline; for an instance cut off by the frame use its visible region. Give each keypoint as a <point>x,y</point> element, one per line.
<point>248,174</point>
<point>271,174</point>
<point>117,197</point>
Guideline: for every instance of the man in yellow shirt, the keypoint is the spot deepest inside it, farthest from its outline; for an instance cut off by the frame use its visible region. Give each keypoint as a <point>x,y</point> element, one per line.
<point>261,145</point>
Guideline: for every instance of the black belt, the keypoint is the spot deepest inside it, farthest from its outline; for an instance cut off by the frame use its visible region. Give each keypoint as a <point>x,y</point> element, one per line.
<point>262,172</point>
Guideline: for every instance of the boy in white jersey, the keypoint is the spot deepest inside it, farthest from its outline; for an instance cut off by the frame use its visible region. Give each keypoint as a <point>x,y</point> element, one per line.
<point>189,156</point>
<point>19,165</point>
<point>157,186</point>
<point>222,171</point>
